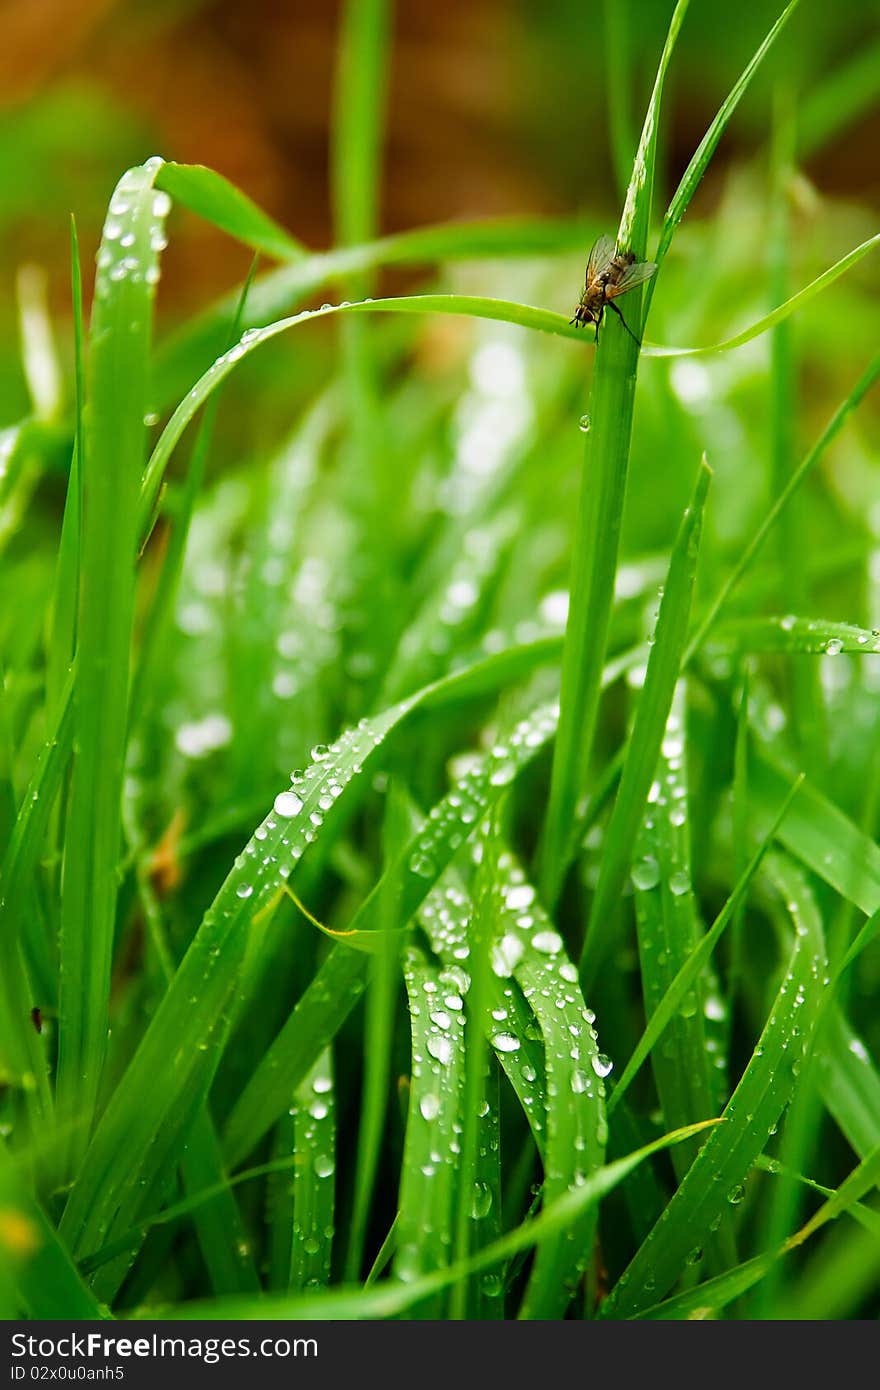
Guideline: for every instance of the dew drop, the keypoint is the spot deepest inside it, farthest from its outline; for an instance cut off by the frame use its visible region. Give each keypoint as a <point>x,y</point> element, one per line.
<point>602,1065</point>
<point>288,804</point>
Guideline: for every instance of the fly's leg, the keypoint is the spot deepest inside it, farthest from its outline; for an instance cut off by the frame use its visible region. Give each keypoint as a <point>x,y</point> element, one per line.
<point>611,305</point>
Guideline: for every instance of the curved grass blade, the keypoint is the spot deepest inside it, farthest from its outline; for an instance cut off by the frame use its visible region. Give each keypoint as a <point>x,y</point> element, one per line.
<point>112,467</point>
<point>218,201</point>
<point>716,1176</point>
<point>573,1091</point>
<point>426,1205</point>
<point>652,713</point>
<point>776,316</point>
<point>279,291</point>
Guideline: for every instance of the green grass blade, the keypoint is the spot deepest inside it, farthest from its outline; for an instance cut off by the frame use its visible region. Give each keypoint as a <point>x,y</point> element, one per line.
<point>573,1091</point>
<point>668,932</point>
<point>218,201</point>
<point>821,836</point>
<point>425,1215</point>
<point>809,636</point>
<point>652,713</point>
<point>778,315</point>
<point>690,179</point>
<point>114,446</point>
<point>715,1179</point>
<point>378,1041</point>
<point>218,1222</point>
<point>311,1246</point>
<point>689,973</point>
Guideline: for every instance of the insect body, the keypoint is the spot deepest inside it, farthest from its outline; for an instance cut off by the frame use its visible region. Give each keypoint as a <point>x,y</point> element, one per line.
<point>610,273</point>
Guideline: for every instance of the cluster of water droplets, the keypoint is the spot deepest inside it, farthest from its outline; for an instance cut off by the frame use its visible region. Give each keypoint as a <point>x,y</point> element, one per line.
<point>454,818</point>
<point>298,811</point>
<point>134,233</point>
<point>314,1143</point>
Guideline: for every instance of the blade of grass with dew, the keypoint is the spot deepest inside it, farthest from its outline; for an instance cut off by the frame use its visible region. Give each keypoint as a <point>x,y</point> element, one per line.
<point>311,1235</point>
<point>410,879</point>
<point>467,1198</point>
<point>382,987</point>
<point>469,306</point>
<point>112,466</point>
<point>859,391</point>
<point>573,1092</point>
<point>600,511</point>
<point>218,201</point>
<point>331,996</point>
<point>425,1212</point>
<point>390,1300</point>
<point>652,713</point>
<point>809,636</point>
<point>695,170</point>
<point>784,1197</point>
<point>668,932</point>
<point>717,1174</point>
<point>700,956</point>
<point>446,918</point>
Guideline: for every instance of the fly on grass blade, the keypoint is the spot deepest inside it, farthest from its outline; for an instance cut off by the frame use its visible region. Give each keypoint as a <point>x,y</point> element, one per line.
<point>610,273</point>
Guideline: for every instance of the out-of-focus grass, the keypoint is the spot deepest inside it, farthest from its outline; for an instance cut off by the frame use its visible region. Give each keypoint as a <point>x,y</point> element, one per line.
<point>315,683</point>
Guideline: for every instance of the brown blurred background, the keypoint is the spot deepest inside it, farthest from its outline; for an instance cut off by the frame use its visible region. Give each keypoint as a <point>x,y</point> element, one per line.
<point>494,106</point>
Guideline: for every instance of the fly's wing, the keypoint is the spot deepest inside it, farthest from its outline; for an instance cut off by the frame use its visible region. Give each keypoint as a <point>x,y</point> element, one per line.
<point>635,274</point>
<point>601,256</point>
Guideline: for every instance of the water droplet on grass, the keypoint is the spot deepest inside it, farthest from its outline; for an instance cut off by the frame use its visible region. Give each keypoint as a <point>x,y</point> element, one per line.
<point>287,804</point>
